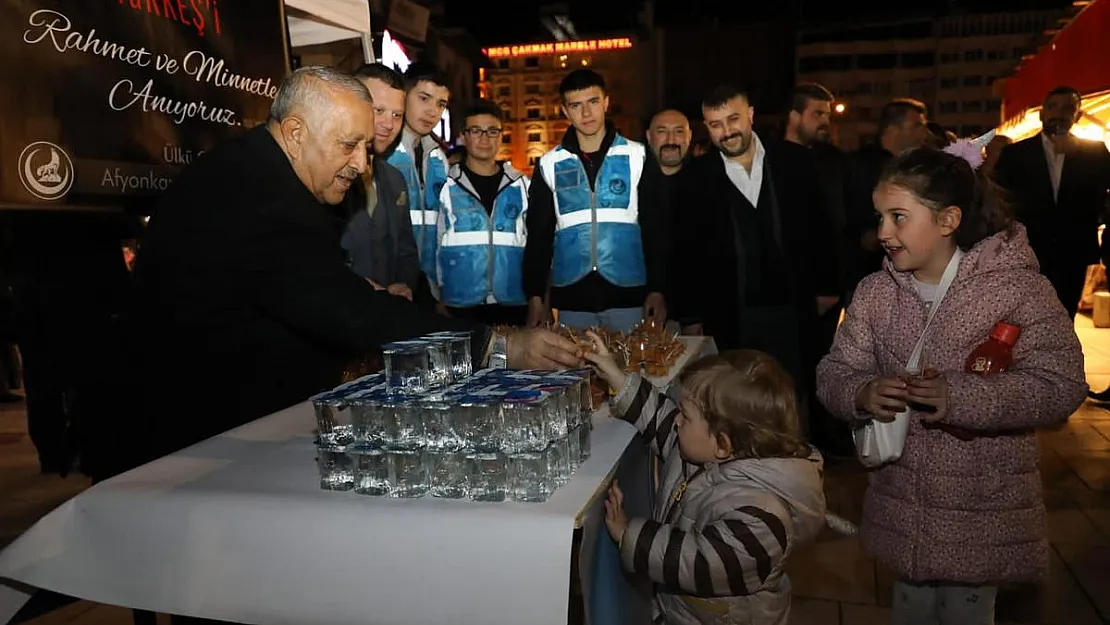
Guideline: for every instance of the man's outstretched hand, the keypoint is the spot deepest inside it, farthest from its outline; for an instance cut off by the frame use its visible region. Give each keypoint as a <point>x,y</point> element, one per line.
<point>538,348</point>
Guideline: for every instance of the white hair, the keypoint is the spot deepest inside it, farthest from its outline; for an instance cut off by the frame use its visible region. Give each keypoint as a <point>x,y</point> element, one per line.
<point>307,89</point>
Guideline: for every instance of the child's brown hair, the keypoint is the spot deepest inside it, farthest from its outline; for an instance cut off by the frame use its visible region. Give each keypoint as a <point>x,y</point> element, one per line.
<point>747,397</point>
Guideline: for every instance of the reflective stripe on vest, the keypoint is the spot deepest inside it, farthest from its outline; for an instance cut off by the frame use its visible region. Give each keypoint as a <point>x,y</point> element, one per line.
<point>479,260</point>
<point>597,229</point>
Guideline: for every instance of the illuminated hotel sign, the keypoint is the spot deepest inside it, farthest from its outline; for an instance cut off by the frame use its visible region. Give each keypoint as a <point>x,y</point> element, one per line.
<point>559,47</point>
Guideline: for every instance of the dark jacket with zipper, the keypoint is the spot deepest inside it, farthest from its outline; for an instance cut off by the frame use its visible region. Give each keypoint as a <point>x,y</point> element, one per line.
<point>594,293</point>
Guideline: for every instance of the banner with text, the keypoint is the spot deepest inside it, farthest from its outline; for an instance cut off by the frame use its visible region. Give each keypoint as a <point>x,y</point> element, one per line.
<point>102,102</point>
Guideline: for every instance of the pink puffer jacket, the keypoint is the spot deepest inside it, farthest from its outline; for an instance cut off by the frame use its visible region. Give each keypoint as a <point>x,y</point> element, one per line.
<point>949,509</point>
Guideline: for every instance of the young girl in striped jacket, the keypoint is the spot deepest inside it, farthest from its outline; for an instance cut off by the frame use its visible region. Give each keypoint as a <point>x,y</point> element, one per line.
<point>740,489</point>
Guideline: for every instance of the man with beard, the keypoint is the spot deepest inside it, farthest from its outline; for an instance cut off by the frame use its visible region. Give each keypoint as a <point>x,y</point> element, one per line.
<point>1058,185</point>
<point>755,263</point>
<point>669,137</point>
<point>809,125</point>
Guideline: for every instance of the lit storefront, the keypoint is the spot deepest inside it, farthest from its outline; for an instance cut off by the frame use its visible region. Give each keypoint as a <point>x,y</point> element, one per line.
<point>1075,56</point>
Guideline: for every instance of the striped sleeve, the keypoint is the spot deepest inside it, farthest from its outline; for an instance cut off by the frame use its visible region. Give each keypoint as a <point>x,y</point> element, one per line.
<point>732,557</point>
<point>652,412</point>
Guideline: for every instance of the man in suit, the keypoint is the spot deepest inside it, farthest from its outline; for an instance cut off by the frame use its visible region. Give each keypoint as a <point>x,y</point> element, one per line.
<point>379,239</point>
<point>754,262</point>
<point>809,124</point>
<point>1058,184</point>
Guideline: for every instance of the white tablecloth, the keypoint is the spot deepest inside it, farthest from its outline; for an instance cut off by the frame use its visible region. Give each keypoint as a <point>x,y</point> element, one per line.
<point>236,528</point>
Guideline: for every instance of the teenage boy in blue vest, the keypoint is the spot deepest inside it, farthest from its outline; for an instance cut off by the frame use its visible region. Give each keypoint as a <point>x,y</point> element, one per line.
<point>596,221</point>
<point>421,161</point>
<point>481,230</point>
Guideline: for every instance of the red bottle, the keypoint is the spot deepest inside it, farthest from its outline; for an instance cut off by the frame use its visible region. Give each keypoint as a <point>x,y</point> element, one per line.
<point>997,354</point>
<point>994,356</point>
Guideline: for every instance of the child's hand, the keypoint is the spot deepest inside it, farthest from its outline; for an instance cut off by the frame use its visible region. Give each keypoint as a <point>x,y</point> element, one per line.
<point>615,518</point>
<point>882,398</point>
<point>603,362</point>
<point>930,390</point>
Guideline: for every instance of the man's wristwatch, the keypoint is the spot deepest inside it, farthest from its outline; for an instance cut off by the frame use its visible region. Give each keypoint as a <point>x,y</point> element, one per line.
<point>498,352</point>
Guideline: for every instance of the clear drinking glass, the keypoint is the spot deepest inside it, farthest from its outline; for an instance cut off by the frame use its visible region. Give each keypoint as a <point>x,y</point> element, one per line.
<point>530,477</point>
<point>448,474</point>
<point>525,421</point>
<point>367,419</point>
<point>403,423</point>
<point>558,417</point>
<point>371,472</point>
<point>559,465</point>
<point>407,367</point>
<point>489,475</point>
<point>333,421</point>
<point>441,425</point>
<point>458,344</point>
<point>335,469</point>
<point>481,423</point>
<point>407,473</point>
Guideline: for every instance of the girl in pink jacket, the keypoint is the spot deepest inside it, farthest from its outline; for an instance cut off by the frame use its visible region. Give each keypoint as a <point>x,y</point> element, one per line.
<point>961,510</point>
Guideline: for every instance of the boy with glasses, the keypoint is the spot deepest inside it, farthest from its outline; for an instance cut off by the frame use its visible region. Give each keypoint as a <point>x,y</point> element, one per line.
<point>480,230</point>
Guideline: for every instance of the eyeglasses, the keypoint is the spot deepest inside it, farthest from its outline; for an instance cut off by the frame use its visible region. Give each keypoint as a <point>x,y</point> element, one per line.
<point>476,131</point>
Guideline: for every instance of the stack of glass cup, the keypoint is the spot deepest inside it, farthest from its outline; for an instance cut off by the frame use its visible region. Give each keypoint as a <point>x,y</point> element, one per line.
<point>428,425</point>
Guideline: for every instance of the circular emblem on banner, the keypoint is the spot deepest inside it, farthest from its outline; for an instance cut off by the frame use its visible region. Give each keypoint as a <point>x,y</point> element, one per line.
<point>617,186</point>
<point>45,170</point>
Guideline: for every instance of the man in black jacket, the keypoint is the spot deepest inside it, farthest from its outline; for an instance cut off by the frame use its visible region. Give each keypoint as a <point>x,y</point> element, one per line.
<point>754,263</point>
<point>245,304</point>
<point>1058,184</point>
<point>597,221</point>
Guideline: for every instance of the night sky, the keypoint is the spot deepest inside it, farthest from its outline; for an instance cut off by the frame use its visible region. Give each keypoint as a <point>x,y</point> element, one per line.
<point>517,21</point>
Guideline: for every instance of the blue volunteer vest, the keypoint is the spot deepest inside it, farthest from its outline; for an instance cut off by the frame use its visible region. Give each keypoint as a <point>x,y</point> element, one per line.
<point>597,228</point>
<point>423,202</point>
<point>480,258</point>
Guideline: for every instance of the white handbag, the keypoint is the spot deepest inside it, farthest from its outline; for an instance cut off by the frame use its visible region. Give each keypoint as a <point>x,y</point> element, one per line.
<point>880,442</point>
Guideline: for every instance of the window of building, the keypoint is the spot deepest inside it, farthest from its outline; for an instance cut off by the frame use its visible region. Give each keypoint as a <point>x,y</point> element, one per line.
<point>973,55</point>
<point>532,61</point>
<point>557,110</point>
<point>882,87</point>
<point>950,82</point>
<point>973,106</point>
<point>504,90</point>
<point>534,161</point>
<point>949,107</point>
<point>1017,53</point>
<point>863,88</point>
<point>989,80</point>
<point>876,61</point>
<point>824,63</point>
<point>996,55</point>
<point>502,63</point>
<point>534,113</point>
<point>973,81</point>
<point>994,104</point>
<point>506,138</point>
<point>532,88</point>
<point>949,57</point>
<point>919,59</point>
<point>535,137</point>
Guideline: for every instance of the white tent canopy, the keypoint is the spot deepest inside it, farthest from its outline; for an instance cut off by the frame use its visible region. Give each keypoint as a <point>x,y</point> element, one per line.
<point>314,22</point>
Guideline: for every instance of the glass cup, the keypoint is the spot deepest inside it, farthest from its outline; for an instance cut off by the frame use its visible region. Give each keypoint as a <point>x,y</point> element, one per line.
<point>333,421</point>
<point>482,424</point>
<point>407,367</point>
<point>336,472</point>
<point>458,343</point>
<point>403,423</point>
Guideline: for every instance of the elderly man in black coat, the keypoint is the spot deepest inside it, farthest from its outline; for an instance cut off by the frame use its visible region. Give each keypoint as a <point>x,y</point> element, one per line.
<point>245,304</point>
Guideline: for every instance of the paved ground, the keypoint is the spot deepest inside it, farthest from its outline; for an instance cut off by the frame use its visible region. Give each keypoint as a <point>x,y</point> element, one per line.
<point>834,582</point>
